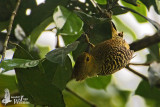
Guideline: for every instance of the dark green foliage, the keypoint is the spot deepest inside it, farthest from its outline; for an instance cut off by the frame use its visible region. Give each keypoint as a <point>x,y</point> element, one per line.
<point>42,77</point>
<point>6,7</point>
<point>154,53</point>
<point>17,63</point>
<point>154,74</point>
<point>98,29</point>
<point>148,92</point>
<point>7,81</point>
<point>68,24</point>
<point>59,55</point>
<point>46,90</point>
<point>100,82</point>
<point>133,2</point>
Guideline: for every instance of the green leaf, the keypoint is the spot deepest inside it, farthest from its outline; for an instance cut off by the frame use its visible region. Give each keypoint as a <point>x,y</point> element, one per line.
<point>71,38</point>
<point>154,74</point>
<point>149,3</point>
<point>154,53</point>
<point>60,16</point>
<point>63,74</point>
<point>39,29</point>
<point>158,5</point>
<point>7,81</point>
<point>35,84</point>
<point>149,93</point>
<point>101,2</point>
<point>73,101</point>
<point>58,55</point>
<point>43,50</point>
<point>99,82</point>
<point>141,9</point>
<point>123,28</point>
<point>133,2</point>
<point>67,22</point>
<point>72,26</point>
<point>97,29</point>
<point>39,13</point>
<point>86,6</point>
<point>17,63</point>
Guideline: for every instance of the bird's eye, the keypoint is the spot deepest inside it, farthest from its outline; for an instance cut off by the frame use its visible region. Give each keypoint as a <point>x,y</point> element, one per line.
<point>87,59</point>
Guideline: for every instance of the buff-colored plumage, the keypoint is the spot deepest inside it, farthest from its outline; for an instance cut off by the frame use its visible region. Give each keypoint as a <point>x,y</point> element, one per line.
<point>104,59</point>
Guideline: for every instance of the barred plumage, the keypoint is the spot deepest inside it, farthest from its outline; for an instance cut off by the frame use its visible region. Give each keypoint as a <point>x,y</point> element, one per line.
<point>112,55</point>
<point>104,59</point>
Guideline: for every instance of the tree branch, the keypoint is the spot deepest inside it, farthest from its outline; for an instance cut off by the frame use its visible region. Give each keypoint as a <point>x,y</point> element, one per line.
<point>137,73</point>
<point>145,42</point>
<point>10,29</point>
<point>142,64</point>
<point>69,90</point>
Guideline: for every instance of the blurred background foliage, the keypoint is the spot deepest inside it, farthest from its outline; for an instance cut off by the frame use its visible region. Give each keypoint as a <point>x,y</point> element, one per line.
<point>47,82</point>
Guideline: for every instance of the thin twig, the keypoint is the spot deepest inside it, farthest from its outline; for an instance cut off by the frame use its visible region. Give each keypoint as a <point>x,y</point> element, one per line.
<point>58,42</point>
<point>103,12</point>
<point>137,73</point>
<point>142,64</point>
<point>97,6</point>
<point>69,90</point>
<point>155,24</point>
<point>10,29</point>
<point>88,41</point>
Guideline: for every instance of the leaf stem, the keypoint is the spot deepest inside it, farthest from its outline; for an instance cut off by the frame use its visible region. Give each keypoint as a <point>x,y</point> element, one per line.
<point>87,102</point>
<point>10,29</point>
<point>88,41</point>
<point>137,73</point>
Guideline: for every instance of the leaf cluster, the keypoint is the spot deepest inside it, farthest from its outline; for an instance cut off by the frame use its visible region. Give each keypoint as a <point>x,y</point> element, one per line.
<point>43,76</point>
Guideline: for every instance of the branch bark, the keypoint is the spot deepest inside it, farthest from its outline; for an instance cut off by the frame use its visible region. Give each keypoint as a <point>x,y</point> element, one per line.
<point>137,73</point>
<point>141,64</point>
<point>10,28</point>
<point>145,42</point>
<point>141,44</point>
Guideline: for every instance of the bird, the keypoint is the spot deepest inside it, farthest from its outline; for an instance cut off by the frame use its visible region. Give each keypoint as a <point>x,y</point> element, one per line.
<point>105,58</point>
